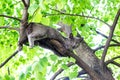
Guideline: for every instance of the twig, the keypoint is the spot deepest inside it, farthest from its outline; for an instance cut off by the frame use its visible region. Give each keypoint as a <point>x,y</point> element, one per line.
<point>2,64</point>
<point>63,13</point>
<point>34,13</point>
<point>7,27</point>
<point>8,71</point>
<point>60,71</point>
<point>111,45</point>
<point>111,60</point>
<point>109,38</point>
<point>115,63</point>
<point>11,17</point>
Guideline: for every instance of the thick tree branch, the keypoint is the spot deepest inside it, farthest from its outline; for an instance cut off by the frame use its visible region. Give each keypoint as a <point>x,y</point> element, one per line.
<point>111,45</point>
<point>83,65</point>
<point>2,64</point>
<point>107,37</point>
<point>110,37</point>
<point>25,11</point>
<point>23,23</point>
<point>11,17</point>
<point>63,13</point>
<point>60,71</point>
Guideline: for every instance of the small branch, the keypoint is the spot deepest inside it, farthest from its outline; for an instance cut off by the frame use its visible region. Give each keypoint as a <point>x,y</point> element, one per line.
<point>11,17</point>
<point>57,11</point>
<point>34,13</point>
<point>11,28</point>
<point>26,3</point>
<point>2,64</point>
<point>63,13</point>
<point>8,71</point>
<point>111,60</point>
<point>111,45</point>
<point>109,38</point>
<point>115,63</point>
<point>61,70</point>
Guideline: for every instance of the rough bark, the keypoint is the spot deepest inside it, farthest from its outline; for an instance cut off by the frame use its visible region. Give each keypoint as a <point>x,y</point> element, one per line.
<point>87,55</point>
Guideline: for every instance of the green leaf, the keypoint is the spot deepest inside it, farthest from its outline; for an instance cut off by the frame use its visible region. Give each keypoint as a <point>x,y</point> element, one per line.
<point>73,74</point>
<point>64,66</point>
<point>53,57</point>
<point>22,76</point>
<point>9,77</point>
<point>45,21</point>
<point>37,16</point>
<point>118,77</point>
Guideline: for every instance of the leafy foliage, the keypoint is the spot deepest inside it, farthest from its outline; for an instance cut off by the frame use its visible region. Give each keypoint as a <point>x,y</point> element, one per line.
<point>39,63</point>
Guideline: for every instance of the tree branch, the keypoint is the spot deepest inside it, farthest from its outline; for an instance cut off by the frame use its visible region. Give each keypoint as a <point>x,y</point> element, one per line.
<point>111,60</point>
<point>115,63</point>
<point>111,45</point>
<point>63,13</point>
<point>109,38</point>
<point>22,28</point>
<point>83,65</point>
<point>23,23</point>
<point>26,3</point>
<point>8,27</point>
<point>61,70</point>
<point>2,64</point>
<point>10,17</point>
